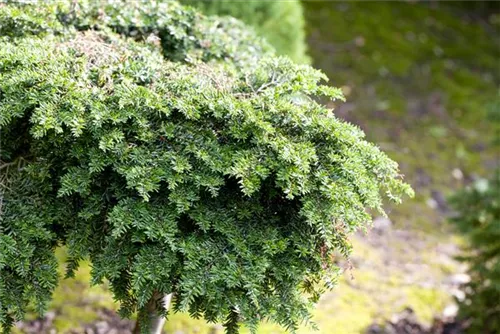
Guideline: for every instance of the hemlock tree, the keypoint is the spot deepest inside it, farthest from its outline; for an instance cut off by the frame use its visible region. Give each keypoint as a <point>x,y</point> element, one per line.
<point>179,156</point>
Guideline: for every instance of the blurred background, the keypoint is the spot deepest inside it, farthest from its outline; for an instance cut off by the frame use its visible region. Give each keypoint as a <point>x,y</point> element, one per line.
<point>422,80</point>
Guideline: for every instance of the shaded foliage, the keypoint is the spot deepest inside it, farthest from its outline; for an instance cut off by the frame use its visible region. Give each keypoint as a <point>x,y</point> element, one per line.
<point>280,22</point>
<point>479,218</point>
<point>178,155</point>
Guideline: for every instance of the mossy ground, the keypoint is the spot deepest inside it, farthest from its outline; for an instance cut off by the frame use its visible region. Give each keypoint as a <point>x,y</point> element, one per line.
<point>419,81</point>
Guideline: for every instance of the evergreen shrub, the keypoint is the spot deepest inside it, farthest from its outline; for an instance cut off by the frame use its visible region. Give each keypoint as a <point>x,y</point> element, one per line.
<point>178,155</point>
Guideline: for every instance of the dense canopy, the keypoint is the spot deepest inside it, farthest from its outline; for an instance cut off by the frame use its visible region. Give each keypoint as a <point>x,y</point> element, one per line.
<point>180,156</point>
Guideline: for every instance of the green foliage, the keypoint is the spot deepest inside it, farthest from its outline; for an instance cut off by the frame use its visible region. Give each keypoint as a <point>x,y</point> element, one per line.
<point>177,155</point>
<point>478,217</point>
<point>280,22</point>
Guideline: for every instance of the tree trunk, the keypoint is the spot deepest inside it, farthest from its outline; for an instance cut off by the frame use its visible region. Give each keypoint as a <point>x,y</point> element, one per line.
<point>156,322</point>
